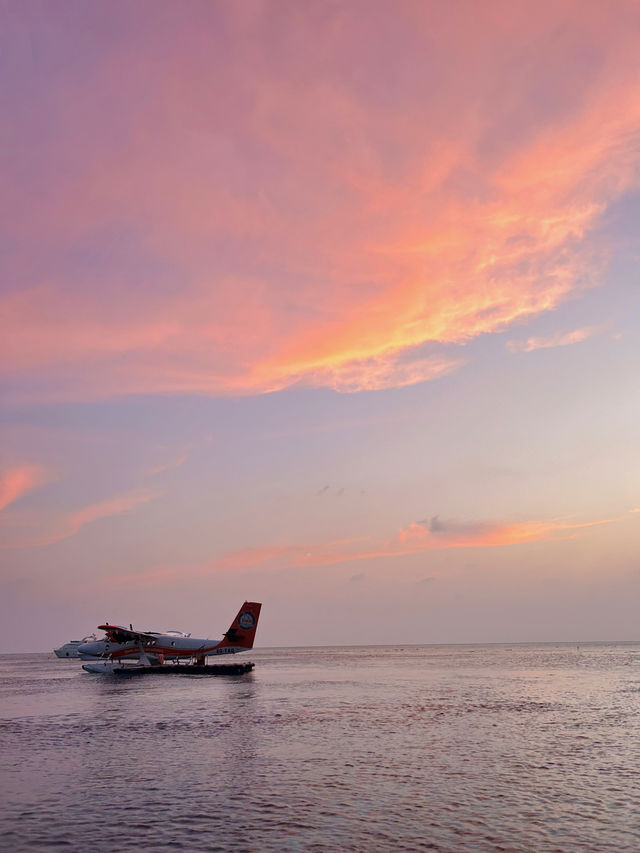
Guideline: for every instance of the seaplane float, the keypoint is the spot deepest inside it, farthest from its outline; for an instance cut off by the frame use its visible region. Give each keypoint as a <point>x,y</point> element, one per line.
<point>125,651</point>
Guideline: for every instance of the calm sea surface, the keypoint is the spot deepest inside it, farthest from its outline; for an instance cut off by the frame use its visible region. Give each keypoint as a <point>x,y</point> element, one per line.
<point>449,748</point>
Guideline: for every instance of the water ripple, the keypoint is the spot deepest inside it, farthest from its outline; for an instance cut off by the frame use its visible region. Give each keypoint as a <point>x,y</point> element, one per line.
<point>364,749</point>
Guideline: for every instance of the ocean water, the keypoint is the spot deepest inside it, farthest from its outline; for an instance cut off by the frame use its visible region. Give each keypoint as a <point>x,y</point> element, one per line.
<point>445,748</point>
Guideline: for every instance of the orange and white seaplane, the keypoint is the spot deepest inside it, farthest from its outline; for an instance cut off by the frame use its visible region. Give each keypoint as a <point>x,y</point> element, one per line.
<point>153,650</point>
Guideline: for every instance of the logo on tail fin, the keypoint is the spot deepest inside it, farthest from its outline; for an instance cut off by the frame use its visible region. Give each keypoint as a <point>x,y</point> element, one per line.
<point>246,620</point>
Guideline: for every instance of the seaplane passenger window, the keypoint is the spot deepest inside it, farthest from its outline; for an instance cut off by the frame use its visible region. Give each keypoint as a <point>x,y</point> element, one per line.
<point>173,642</point>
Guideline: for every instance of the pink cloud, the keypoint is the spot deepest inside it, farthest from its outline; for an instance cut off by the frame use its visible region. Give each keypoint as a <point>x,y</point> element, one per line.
<point>174,461</point>
<point>33,530</point>
<point>104,509</point>
<point>560,339</point>
<point>435,534</point>
<point>416,538</point>
<point>170,459</point>
<point>329,194</point>
<point>16,482</point>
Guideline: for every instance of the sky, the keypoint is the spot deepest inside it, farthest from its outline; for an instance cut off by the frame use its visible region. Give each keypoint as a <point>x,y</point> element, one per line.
<point>329,305</point>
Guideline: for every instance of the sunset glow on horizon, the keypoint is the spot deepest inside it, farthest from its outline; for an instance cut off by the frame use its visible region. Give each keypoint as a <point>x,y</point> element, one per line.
<point>281,279</point>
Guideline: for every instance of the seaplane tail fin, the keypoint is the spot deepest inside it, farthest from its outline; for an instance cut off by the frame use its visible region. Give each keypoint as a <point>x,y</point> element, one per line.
<point>243,628</point>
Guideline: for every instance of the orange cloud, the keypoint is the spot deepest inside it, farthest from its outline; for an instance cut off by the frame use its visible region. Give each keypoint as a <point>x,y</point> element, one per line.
<point>416,538</point>
<point>18,481</point>
<point>434,534</point>
<point>384,371</point>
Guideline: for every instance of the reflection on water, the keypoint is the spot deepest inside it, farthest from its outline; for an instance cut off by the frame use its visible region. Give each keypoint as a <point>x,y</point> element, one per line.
<point>475,748</point>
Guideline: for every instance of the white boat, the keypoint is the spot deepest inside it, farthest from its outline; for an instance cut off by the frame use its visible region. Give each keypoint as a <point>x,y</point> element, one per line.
<point>70,649</point>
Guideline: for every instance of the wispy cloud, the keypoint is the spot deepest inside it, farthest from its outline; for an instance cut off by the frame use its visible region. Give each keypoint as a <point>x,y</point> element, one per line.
<point>419,537</point>
<point>374,374</point>
<point>18,481</point>
<point>328,220</point>
<point>434,534</point>
<point>35,531</point>
<point>119,505</point>
<point>559,339</point>
<point>170,459</point>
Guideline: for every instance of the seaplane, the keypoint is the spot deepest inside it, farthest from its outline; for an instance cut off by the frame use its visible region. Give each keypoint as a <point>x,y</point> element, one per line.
<point>156,652</point>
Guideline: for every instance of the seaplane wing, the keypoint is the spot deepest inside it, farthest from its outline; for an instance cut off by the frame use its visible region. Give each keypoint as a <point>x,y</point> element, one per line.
<point>118,634</point>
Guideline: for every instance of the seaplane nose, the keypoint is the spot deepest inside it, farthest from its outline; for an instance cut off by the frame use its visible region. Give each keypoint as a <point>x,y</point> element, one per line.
<point>95,649</point>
